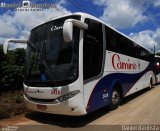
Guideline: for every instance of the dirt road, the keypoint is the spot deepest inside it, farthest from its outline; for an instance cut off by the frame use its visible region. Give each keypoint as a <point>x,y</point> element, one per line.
<point>142,108</point>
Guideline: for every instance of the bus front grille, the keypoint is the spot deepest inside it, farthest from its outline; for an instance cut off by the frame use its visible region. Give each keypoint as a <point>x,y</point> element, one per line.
<point>45,101</point>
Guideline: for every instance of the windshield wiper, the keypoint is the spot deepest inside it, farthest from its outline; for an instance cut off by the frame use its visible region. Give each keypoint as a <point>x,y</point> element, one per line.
<point>42,60</point>
<point>35,50</point>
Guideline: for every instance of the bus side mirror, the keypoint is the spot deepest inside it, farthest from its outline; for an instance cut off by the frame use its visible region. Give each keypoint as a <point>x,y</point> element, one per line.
<point>68,31</point>
<point>6,43</point>
<point>68,28</point>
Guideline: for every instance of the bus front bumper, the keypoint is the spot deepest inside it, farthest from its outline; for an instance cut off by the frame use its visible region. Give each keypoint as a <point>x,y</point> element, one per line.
<point>73,106</point>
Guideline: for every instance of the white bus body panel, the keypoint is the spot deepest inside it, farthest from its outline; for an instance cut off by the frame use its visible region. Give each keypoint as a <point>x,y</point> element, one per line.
<point>73,106</point>
<point>141,65</point>
<point>158,78</point>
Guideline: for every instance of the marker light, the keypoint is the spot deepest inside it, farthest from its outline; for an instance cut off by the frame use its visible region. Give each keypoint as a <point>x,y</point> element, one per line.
<point>68,96</point>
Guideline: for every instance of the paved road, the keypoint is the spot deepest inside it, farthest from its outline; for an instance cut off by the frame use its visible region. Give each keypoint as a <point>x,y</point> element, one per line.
<point>141,108</point>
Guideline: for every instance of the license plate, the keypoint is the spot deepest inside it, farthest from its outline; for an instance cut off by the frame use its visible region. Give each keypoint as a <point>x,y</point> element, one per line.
<point>42,107</point>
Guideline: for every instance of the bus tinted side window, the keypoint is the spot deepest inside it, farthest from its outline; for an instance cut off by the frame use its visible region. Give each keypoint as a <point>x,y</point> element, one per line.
<point>92,49</point>
<point>118,43</point>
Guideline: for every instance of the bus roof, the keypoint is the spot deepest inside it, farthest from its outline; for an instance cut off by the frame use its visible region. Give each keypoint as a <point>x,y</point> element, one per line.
<point>85,15</point>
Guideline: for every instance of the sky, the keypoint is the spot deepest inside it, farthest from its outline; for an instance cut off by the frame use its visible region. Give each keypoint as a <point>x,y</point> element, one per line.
<point>138,19</point>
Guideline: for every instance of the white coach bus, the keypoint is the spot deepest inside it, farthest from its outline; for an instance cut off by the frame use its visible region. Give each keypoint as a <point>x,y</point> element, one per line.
<point>76,64</point>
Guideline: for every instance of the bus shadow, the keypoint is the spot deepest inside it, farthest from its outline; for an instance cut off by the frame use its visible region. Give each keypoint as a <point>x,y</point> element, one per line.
<point>76,121</point>
<point>135,95</point>
<point>66,121</point>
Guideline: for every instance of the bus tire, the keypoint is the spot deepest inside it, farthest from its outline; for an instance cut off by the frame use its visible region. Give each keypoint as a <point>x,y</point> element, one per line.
<point>115,99</point>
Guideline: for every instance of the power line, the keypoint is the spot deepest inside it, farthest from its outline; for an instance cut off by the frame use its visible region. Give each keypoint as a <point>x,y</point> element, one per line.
<point>76,5</point>
<point>58,9</point>
<point>82,7</point>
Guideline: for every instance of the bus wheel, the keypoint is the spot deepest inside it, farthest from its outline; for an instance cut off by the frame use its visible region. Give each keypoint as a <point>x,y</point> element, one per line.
<point>116,97</point>
<point>151,84</point>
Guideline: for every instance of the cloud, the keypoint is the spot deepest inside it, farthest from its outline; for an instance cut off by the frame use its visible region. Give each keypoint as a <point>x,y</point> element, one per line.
<point>100,2</point>
<point>147,38</point>
<point>7,29</point>
<point>156,3</point>
<point>126,14</point>
<point>122,14</point>
<point>17,24</point>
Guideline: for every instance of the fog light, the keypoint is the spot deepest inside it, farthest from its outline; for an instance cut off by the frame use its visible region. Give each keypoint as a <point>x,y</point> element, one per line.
<point>74,108</point>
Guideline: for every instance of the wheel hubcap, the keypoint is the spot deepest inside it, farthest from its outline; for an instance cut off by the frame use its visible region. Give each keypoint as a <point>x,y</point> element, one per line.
<point>115,97</point>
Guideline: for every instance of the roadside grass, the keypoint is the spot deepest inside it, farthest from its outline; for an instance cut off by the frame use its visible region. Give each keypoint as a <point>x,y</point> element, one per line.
<point>12,104</point>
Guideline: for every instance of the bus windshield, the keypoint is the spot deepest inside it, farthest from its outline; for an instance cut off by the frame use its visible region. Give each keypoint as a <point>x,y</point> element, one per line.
<point>50,61</point>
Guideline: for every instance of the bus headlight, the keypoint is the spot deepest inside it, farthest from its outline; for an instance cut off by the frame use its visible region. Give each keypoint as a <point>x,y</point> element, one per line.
<point>68,96</point>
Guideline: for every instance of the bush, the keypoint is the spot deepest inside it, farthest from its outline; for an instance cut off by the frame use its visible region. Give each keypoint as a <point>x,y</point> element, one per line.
<point>12,103</point>
<point>19,99</point>
<point>11,70</point>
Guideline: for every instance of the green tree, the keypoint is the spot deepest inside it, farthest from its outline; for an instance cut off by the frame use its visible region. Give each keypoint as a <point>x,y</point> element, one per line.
<point>12,70</point>
<point>2,57</point>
